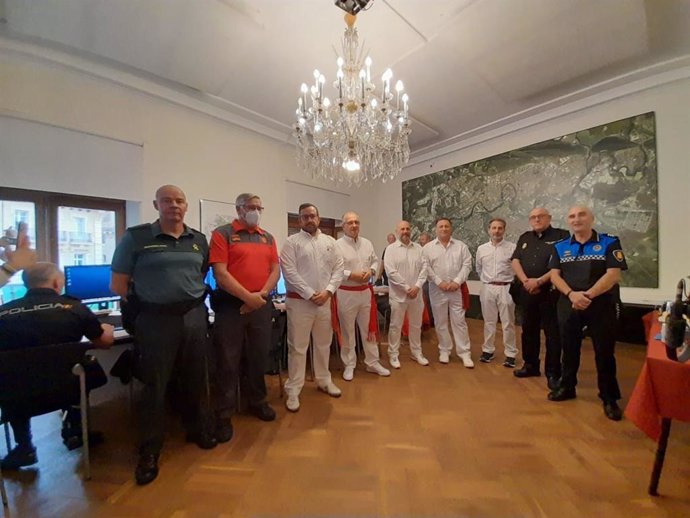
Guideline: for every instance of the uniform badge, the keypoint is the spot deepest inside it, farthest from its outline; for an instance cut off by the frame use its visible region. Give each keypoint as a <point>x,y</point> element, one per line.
<point>566,253</point>
<point>618,254</point>
<point>263,239</point>
<point>235,238</point>
<point>524,245</point>
<point>195,247</point>
<point>596,248</point>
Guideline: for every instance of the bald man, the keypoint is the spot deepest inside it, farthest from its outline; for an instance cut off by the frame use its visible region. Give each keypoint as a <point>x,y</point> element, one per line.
<point>159,269</point>
<point>406,271</point>
<point>586,269</point>
<point>354,299</point>
<point>538,297</point>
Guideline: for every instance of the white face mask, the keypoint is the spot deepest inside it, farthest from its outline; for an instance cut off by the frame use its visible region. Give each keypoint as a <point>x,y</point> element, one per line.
<point>252,217</point>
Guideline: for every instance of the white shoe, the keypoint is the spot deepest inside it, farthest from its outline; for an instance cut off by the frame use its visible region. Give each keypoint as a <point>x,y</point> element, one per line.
<point>467,360</point>
<point>292,403</point>
<point>443,357</point>
<point>348,373</point>
<point>394,361</point>
<point>331,389</point>
<point>421,360</point>
<point>379,369</point>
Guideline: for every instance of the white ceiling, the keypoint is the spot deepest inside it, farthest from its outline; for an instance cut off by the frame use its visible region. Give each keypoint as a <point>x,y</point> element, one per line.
<point>465,63</point>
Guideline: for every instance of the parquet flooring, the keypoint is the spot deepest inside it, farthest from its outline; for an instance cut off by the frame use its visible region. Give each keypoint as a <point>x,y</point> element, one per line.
<point>428,441</point>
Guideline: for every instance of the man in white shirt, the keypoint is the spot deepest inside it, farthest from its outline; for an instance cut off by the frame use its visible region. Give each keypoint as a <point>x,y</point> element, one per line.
<point>495,271</point>
<point>354,296</point>
<point>406,271</point>
<point>312,269</point>
<point>448,265</point>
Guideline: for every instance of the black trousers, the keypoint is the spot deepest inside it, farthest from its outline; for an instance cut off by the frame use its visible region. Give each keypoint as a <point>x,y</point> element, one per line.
<point>600,319</point>
<point>539,312</point>
<point>236,336</point>
<point>167,343</point>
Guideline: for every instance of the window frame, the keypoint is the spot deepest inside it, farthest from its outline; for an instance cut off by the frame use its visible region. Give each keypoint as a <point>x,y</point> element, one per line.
<point>47,203</point>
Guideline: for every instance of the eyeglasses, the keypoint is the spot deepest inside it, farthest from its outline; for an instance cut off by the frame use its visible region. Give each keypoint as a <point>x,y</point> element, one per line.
<point>253,207</point>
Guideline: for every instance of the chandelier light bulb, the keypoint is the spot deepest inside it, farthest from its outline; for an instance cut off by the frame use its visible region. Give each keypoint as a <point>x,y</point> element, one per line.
<point>340,62</point>
<point>399,86</point>
<point>351,165</point>
<point>316,74</point>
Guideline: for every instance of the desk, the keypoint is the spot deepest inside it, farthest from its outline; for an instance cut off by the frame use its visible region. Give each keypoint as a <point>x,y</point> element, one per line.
<point>662,393</point>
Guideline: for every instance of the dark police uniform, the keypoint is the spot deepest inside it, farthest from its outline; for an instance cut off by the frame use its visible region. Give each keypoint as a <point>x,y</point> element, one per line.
<point>42,317</point>
<point>249,255</point>
<point>534,250</point>
<point>581,266</point>
<point>171,323</point>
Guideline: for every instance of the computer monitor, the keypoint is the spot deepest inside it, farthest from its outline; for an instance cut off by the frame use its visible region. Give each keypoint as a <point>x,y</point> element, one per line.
<point>90,284</point>
<point>280,289</point>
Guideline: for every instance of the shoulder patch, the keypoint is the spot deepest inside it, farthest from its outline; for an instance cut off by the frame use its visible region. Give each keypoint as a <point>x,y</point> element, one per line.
<point>235,238</point>
<point>619,255</point>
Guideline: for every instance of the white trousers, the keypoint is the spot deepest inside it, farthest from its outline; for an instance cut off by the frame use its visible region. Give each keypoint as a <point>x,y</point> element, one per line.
<point>305,319</point>
<point>495,301</point>
<point>354,307</point>
<point>414,308</point>
<point>447,307</point>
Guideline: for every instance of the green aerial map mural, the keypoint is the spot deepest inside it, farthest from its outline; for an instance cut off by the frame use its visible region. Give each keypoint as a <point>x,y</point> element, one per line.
<point>610,168</point>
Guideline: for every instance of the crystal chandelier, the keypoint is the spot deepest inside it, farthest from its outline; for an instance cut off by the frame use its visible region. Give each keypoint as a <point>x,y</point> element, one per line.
<point>361,135</point>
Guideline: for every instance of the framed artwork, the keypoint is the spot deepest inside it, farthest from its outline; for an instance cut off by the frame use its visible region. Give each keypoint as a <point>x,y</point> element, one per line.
<point>213,214</point>
<point>611,168</point>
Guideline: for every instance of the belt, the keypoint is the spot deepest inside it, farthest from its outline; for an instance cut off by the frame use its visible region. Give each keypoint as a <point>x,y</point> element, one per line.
<point>363,287</point>
<point>495,283</point>
<point>293,295</point>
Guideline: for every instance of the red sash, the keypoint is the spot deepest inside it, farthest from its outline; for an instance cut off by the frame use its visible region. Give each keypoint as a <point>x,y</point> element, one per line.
<point>373,313</point>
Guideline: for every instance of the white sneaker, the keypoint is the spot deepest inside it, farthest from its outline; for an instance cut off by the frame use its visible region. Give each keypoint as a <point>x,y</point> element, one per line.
<point>331,389</point>
<point>467,360</point>
<point>348,373</point>
<point>394,361</point>
<point>421,360</point>
<point>379,369</point>
<point>443,357</point>
<point>292,403</point>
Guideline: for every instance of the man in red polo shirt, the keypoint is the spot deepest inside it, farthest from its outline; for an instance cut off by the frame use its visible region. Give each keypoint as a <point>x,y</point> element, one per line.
<point>245,264</point>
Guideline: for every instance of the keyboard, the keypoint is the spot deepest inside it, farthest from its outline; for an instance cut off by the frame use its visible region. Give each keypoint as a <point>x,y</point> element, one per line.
<point>113,320</point>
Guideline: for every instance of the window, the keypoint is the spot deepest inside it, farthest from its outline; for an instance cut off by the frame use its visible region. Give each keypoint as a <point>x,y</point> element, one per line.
<point>64,229</point>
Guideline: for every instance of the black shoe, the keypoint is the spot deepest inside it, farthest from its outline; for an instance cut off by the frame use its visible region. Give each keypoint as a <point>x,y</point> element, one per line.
<point>73,442</point>
<point>263,412</point>
<point>224,430</point>
<point>613,411</point>
<point>486,357</point>
<point>553,382</point>
<point>509,363</point>
<point>562,394</point>
<point>147,469</point>
<point>203,440</point>
<point>19,456</point>
<point>526,371</point>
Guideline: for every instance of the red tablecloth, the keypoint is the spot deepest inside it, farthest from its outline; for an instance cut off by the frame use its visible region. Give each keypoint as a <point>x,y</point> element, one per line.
<point>663,388</point>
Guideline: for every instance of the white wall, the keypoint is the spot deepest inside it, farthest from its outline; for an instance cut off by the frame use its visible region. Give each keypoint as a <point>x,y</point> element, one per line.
<point>208,158</point>
<point>670,102</point>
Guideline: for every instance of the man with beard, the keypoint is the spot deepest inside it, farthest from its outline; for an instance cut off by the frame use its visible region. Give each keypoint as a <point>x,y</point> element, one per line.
<point>312,269</point>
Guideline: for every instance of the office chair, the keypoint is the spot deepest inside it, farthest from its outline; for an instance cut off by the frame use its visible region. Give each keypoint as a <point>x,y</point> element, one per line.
<point>38,380</point>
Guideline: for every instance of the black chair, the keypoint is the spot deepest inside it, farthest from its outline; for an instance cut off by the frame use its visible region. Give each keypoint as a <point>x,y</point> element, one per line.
<point>38,380</point>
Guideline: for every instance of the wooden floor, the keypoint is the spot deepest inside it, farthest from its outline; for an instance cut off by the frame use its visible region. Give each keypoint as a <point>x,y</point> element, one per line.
<point>428,441</point>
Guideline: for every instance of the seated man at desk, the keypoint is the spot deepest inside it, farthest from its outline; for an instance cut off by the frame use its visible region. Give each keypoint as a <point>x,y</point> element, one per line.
<point>43,317</point>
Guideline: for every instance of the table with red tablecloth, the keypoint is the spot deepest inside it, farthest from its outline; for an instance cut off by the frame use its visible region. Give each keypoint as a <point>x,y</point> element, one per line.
<point>661,394</point>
